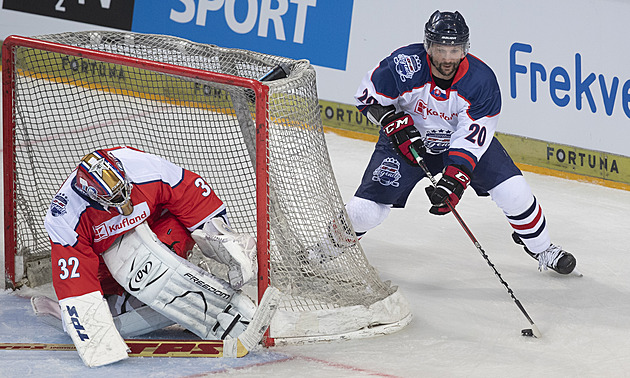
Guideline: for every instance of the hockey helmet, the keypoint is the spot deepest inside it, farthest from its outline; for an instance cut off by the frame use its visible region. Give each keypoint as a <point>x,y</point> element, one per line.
<point>102,177</point>
<point>447,28</point>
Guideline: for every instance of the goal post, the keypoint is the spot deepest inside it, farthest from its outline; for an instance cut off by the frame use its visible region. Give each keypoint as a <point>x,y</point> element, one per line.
<point>260,144</point>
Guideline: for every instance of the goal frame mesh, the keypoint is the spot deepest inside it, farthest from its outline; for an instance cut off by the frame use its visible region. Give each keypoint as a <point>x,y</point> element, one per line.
<point>9,178</point>
<point>386,313</point>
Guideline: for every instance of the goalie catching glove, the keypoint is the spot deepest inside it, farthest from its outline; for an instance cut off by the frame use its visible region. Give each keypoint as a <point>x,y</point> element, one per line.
<point>450,188</point>
<point>400,129</point>
<point>221,243</point>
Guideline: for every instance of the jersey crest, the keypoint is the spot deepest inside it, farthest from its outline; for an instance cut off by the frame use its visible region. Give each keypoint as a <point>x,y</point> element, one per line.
<point>437,141</point>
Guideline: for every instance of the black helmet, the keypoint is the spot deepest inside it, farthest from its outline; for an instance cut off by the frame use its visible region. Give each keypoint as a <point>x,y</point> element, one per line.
<point>448,28</point>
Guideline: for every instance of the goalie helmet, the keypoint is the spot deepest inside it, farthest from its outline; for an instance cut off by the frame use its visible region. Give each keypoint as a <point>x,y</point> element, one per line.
<point>102,177</point>
<point>447,28</point>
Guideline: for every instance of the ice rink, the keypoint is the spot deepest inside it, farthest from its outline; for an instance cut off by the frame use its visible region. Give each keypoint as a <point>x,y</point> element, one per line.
<point>465,323</point>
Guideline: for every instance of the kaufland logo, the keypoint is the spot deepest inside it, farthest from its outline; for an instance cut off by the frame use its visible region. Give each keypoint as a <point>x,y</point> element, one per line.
<point>421,108</point>
<point>121,223</point>
<point>425,111</point>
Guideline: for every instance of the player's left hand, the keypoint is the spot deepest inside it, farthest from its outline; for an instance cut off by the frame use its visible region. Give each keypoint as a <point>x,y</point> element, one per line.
<point>450,188</point>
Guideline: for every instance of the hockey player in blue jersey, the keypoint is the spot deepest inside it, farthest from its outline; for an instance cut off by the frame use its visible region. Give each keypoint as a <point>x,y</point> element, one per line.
<point>445,103</point>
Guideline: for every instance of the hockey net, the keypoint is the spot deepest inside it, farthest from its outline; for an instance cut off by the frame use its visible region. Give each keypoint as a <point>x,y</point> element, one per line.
<point>259,144</point>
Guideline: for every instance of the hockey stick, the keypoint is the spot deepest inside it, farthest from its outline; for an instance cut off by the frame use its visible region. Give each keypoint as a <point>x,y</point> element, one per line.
<point>148,348</point>
<point>533,331</point>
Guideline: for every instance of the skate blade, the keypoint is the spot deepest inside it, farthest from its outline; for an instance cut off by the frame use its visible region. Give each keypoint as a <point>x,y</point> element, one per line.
<point>577,273</point>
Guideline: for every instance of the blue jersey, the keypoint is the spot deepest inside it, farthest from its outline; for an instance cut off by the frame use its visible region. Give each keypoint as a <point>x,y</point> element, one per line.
<point>461,119</point>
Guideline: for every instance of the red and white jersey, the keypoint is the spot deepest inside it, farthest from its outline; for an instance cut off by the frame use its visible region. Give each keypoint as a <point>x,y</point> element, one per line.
<point>81,229</point>
<point>460,120</point>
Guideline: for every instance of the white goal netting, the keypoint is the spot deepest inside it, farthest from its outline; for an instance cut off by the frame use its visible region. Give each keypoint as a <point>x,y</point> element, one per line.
<point>195,107</point>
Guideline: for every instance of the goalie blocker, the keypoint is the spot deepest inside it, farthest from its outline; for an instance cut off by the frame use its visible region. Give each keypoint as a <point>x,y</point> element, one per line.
<point>172,286</point>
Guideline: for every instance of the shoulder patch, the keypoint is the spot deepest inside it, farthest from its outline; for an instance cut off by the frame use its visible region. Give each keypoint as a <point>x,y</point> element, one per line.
<point>58,205</point>
<point>407,65</point>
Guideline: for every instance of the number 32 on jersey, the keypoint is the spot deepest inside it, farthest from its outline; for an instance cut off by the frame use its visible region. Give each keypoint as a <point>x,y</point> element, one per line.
<point>69,268</point>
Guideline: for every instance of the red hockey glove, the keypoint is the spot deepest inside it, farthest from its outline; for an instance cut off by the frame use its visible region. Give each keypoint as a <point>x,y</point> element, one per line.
<point>450,188</point>
<point>401,131</point>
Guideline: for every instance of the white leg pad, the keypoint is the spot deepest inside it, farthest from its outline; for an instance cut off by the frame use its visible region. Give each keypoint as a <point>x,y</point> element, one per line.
<point>261,319</point>
<point>172,286</point>
<point>140,321</point>
<point>137,321</point>
<point>90,325</point>
<point>48,311</point>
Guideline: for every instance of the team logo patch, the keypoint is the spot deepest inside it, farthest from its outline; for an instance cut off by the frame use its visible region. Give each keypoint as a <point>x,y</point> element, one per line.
<point>58,205</point>
<point>388,173</point>
<point>438,141</point>
<point>407,65</point>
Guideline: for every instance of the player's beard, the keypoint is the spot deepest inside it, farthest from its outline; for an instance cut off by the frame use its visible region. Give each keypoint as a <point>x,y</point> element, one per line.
<point>447,69</point>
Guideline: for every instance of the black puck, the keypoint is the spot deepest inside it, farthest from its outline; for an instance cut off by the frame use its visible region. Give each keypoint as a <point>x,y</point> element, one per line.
<point>527,332</point>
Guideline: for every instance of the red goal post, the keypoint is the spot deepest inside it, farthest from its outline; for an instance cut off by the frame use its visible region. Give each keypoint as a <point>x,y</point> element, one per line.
<point>8,56</point>
<point>259,144</point>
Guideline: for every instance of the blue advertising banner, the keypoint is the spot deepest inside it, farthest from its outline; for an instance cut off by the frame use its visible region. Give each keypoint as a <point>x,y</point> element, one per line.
<point>317,30</point>
<point>300,29</point>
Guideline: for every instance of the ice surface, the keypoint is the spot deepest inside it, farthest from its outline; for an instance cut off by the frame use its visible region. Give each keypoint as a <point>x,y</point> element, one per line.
<point>465,323</point>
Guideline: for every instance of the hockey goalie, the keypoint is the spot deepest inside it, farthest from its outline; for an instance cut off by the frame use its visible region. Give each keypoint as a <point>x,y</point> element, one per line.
<point>121,228</point>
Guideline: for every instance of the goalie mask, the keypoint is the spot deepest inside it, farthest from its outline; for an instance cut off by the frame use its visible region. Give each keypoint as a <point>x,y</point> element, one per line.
<point>101,177</point>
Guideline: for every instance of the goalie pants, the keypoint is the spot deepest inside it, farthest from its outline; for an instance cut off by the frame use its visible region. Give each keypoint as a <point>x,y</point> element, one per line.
<point>388,180</point>
<point>170,231</point>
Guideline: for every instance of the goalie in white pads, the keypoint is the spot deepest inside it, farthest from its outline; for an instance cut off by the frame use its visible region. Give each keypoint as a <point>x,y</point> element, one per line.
<point>121,228</point>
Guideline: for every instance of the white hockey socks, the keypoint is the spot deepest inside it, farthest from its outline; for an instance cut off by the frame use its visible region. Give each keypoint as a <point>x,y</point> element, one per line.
<point>238,251</point>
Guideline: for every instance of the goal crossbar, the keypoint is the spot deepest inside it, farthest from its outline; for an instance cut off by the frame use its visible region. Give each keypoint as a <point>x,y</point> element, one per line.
<point>260,144</point>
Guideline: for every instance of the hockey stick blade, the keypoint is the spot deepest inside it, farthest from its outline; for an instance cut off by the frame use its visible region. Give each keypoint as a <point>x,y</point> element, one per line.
<point>148,348</point>
<point>262,318</point>
<point>525,332</point>
<point>531,332</point>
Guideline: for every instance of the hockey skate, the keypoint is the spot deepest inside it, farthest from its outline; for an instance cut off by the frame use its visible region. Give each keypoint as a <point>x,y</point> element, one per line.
<point>327,255</point>
<point>554,257</point>
<point>321,258</point>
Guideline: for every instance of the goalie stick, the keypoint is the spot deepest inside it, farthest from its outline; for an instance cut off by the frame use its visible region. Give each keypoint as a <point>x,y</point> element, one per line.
<point>533,331</point>
<point>148,348</point>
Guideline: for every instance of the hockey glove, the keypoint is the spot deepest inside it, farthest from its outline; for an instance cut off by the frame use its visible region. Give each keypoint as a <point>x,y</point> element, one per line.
<point>221,243</point>
<point>401,131</point>
<point>450,188</point>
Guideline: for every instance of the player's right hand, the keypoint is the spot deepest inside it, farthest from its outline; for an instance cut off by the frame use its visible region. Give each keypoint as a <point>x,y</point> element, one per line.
<point>400,129</point>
